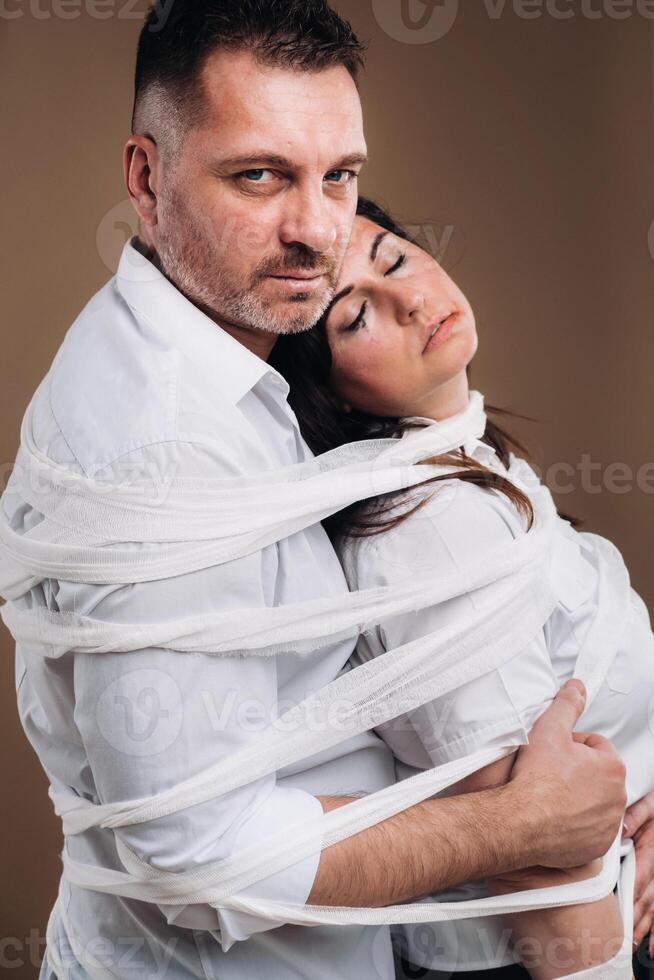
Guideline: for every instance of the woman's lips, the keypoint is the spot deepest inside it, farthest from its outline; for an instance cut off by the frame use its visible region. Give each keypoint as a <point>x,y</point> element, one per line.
<point>443,332</point>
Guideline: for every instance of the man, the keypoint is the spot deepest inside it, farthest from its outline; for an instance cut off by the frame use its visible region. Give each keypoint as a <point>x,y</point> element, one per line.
<point>243,163</point>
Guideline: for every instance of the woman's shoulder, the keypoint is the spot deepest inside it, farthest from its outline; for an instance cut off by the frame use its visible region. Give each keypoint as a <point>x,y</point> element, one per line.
<point>457,522</point>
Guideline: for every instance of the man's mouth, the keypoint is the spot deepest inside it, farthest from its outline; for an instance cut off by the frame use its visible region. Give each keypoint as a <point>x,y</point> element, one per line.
<point>299,275</point>
<point>301,280</point>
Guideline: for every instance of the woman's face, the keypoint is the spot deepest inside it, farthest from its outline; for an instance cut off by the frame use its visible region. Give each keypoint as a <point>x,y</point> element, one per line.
<point>390,298</point>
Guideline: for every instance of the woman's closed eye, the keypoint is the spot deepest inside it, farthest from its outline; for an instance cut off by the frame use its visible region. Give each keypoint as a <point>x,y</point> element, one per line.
<point>360,320</point>
<point>398,265</point>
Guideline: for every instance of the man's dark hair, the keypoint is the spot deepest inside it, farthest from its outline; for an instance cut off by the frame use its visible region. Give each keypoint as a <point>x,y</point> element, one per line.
<point>304,35</point>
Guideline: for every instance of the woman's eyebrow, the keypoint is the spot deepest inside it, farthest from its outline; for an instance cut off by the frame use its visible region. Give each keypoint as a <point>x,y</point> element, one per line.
<point>348,289</point>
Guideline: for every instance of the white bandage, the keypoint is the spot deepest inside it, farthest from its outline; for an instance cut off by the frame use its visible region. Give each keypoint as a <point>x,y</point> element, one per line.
<point>192,524</point>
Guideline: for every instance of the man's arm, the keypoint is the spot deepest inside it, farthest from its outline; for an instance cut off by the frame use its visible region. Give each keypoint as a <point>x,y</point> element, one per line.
<point>538,818</point>
<point>429,847</point>
<point>153,718</point>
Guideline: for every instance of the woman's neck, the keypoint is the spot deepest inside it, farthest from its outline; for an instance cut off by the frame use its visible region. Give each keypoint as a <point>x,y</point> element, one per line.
<point>447,400</point>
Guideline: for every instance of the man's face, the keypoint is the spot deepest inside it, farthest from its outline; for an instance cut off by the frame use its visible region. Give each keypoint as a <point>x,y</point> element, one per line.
<point>263,190</point>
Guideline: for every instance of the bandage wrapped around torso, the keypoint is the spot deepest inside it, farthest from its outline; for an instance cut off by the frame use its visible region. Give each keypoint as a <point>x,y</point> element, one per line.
<point>193,524</point>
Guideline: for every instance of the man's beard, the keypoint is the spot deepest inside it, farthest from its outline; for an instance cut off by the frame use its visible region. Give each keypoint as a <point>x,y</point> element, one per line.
<point>188,256</point>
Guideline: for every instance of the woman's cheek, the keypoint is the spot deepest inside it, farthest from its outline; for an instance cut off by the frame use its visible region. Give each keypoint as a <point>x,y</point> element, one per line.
<point>348,369</point>
<point>340,357</point>
<point>365,361</point>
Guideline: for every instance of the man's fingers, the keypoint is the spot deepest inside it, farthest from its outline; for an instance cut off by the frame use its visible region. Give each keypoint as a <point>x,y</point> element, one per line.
<point>564,712</point>
<point>593,741</point>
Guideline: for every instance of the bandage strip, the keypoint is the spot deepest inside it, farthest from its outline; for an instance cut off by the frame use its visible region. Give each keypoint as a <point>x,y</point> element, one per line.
<point>187,525</point>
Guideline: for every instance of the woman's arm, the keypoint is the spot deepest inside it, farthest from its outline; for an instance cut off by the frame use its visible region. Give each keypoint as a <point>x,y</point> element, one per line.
<point>551,942</point>
<point>442,539</point>
<point>555,942</point>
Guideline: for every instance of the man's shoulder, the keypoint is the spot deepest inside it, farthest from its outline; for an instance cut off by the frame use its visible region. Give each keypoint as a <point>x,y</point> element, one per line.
<point>116,392</point>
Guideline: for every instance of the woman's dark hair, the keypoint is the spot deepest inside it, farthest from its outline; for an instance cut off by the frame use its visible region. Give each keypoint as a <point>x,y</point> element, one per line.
<point>305,361</point>
<point>177,39</point>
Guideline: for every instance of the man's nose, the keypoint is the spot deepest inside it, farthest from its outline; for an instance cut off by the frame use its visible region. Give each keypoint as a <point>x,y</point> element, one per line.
<point>307,222</point>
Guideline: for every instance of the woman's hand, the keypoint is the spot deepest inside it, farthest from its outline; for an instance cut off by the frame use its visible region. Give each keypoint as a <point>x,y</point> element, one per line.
<point>639,826</point>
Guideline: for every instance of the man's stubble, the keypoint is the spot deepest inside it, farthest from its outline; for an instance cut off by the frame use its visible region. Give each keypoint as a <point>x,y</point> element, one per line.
<point>189,257</point>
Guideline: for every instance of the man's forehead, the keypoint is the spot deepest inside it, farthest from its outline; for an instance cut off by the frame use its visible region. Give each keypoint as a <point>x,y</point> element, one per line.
<point>268,116</point>
<point>239,89</point>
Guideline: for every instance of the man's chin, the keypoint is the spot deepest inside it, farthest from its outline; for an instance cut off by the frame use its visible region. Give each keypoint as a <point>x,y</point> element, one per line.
<point>301,316</point>
<point>294,326</point>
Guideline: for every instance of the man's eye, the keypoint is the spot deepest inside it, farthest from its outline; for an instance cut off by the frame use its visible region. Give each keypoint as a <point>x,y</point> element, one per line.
<point>255,176</point>
<point>341,176</point>
<point>398,265</point>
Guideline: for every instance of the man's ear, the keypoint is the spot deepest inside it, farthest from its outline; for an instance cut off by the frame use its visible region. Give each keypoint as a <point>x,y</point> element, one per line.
<point>141,165</point>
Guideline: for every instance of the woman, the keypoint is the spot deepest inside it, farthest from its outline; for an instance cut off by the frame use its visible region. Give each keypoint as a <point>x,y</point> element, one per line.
<point>392,353</point>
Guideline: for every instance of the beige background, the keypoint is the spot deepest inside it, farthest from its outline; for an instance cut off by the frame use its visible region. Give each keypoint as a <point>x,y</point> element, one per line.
<point>522,147</point>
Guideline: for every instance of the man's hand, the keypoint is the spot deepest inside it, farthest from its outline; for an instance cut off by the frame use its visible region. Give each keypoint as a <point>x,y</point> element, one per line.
<point>573,785</point>
<point>561,808</point>
<point>639,826</point>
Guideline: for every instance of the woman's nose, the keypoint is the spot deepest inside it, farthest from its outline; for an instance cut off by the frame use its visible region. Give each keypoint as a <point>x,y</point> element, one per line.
<point>409,301</point>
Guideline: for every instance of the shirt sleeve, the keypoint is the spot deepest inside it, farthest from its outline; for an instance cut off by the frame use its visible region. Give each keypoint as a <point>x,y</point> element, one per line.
<point>153,718</point>
<point>456,528</point>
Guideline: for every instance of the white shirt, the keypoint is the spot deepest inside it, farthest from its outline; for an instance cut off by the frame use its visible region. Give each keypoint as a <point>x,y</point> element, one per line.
<point>461,523</point>
<point>144,381</point>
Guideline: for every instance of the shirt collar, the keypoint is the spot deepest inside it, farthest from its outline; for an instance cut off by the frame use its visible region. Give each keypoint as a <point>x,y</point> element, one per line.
<point>176,320</point>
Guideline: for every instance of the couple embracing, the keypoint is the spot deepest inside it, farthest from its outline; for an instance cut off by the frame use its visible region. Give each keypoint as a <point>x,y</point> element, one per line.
<point>265,315</point>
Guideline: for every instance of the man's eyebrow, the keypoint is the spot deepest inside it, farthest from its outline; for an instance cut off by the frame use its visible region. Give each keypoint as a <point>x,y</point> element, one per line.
<point>283,163</point>
<point>348,289</point>
<point>351,160</point>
